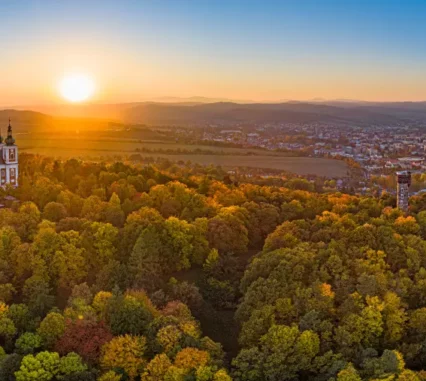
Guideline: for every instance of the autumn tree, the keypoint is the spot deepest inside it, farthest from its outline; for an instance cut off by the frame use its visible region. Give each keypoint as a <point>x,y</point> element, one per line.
<point>126,353</point>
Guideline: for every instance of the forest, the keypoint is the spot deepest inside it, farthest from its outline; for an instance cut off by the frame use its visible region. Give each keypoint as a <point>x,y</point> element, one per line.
<point>115,271</point>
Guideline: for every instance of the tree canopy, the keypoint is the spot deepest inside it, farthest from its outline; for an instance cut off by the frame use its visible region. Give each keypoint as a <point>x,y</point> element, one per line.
<point>113,271</point>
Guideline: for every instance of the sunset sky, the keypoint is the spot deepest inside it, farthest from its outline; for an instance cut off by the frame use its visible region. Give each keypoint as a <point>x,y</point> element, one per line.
<point>254,50</point>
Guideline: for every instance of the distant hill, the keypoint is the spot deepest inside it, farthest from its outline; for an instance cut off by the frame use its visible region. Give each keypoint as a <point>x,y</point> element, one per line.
<point>195,100</point>
<point>223,113</point>
<point>23,116</point>
<point>289,112</point>
<point>24,121</point>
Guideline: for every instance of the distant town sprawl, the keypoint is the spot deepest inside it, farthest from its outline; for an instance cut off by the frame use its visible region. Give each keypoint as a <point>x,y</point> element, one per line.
<point>374,153</point>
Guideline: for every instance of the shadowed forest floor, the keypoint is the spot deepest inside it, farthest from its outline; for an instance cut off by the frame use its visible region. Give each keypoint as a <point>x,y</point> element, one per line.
<point>219,324</point>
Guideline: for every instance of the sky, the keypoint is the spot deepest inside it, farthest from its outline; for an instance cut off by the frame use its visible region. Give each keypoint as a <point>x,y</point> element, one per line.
<point>136,50</point>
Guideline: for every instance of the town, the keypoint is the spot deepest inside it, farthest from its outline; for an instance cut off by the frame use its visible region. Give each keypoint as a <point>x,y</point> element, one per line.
<point>374,153</point>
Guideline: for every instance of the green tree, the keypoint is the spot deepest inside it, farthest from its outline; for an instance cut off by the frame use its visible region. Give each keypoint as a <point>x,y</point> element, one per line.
<point>41,367</point>
<point>28,219</point>
<point>248,365</point>
<point>28,343</point>
<point>54,211</point>
<point>100,242</point>
<point>113,212</point>
<point>284,353</point>
<point>7,329</point>
<point>37,295</point>
<point>69,263</point>
<point>71,363</point>
<point>51,328</point>
<point>227,233</point>
<point>128,315</point>
<point>9,365</point>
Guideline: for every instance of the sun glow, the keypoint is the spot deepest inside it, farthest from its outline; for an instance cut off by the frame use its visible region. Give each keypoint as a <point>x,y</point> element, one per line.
<point>77,87</point>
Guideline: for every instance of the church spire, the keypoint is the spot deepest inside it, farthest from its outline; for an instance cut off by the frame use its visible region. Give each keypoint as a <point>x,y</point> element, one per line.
<point>10,141</point>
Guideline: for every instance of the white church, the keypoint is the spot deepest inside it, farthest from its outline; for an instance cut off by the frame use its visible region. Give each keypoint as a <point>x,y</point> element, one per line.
<point>8,160</point>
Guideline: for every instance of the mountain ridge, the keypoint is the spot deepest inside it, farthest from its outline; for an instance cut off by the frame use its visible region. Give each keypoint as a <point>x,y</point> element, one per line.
<point>223,113</point>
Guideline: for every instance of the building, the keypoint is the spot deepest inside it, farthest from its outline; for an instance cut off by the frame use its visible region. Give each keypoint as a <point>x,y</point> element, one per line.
<point>8,160</point>
<point>404,182</point>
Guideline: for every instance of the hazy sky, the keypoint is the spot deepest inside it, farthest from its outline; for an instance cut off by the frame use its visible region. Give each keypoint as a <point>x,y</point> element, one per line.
<point>258,50</point>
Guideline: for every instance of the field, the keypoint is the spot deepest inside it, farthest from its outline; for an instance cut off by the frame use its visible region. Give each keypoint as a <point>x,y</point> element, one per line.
<point>123,145</point>
<point>231,157</point>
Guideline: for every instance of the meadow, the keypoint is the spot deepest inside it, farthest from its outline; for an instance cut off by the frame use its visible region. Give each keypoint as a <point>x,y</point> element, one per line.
<point>83,147</point>
<point>124,144</point>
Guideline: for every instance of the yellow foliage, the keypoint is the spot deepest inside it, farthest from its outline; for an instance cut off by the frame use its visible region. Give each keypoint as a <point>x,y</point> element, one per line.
<point>190,328</point>
<point>325,289</point>
<point>100,301</point>
<point>3,309</point>
<point>142,297</point>
<point>328,216</point>
<point>157,368</point>
<point>191,358</point>
<point>374,301</point>
<point>400,359</point>
<point>168,337</point>
<point>125,352</point>
<point>342,199</point>
<point>221,375</point>
<point>409,375</point>
<point>175,374</point>
<point>110,376</point>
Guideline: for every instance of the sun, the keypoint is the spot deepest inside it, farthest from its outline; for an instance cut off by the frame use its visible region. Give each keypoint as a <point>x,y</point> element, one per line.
<point>77,87</point>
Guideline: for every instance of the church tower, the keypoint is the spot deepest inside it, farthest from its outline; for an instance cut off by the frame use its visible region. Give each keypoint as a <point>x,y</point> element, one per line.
<point>8,160</point>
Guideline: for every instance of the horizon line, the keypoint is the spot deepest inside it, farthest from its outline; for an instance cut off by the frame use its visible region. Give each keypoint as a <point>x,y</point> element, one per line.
<point>211,100</point>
